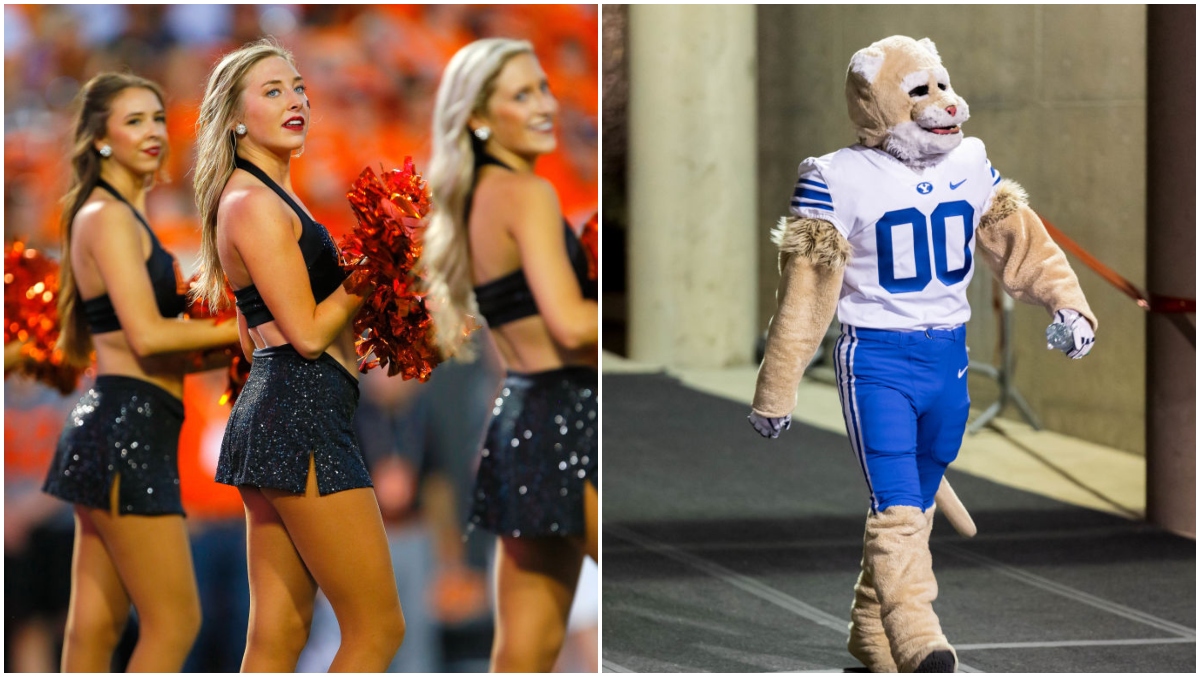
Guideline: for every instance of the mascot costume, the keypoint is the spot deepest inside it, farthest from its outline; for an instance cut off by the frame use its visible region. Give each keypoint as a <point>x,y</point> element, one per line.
<point>886,232</point>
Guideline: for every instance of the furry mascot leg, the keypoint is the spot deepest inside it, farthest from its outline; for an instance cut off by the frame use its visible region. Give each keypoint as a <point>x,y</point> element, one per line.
<point>896,552</point>
<point>868,641</point>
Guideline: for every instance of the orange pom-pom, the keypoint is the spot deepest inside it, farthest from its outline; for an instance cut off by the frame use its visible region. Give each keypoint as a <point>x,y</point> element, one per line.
<point>31,316</point>
<point>380,255</point>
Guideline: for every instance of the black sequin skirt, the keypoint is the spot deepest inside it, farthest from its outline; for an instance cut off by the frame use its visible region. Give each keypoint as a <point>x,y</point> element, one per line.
<point>290,409</point>
<point>539,450</point>
<point>122,427</point>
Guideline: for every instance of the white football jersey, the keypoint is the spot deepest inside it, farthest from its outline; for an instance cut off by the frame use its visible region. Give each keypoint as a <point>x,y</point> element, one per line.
<point>911,232</point>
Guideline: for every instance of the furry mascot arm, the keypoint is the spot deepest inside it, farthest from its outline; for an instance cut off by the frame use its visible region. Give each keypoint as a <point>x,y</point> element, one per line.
<point>1030,266</point>
<point>812,259</point>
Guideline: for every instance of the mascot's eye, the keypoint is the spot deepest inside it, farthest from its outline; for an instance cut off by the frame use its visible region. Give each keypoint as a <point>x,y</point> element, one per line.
<point>941,87</point>
<point>923,90</point>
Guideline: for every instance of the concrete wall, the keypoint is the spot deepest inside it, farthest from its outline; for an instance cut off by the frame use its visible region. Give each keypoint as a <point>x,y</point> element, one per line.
<point>691,184</point>
<point>1058,95</point>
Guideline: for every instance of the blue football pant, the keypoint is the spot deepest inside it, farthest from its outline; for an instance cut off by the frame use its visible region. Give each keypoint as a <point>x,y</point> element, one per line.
<point>904,398</point>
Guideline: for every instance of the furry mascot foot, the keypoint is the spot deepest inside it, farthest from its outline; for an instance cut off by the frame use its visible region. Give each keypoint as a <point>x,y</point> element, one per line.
<point>896,552</point>
<point>938,661</point>
<point>868,642</point>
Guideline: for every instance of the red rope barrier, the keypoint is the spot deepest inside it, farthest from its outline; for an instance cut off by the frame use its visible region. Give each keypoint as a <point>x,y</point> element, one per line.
<point>1153,303</point>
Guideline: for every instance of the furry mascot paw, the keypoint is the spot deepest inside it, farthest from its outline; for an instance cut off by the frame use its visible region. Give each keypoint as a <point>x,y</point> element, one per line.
<point>769,427</point>
<point>864,221</point>
<point>1071,334</point>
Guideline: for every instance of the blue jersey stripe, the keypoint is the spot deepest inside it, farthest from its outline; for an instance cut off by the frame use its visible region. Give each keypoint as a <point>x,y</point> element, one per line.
<point>815,184</point>
<point>813,195</point>
<point>815,205</point>
<point>997,180</point>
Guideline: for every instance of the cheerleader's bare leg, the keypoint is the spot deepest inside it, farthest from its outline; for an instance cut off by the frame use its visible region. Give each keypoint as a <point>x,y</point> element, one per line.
<point>99,604</point>
<point>339,543</point>
<point>591,515</point>
<point>143,559</point>
<point>535,584</point>
<point>281,590</point>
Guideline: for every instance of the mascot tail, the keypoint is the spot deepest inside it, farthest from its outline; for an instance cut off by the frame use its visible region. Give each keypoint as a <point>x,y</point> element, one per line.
<point>947,501</point>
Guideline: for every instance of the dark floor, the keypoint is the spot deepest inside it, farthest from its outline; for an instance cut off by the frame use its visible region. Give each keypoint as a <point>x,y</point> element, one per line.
<point>727,552</point>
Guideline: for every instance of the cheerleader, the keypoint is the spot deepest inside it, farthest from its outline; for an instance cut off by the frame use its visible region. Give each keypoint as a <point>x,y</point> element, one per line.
<point>290,447</point>
<point>121,293</point>
<point>498,246</point>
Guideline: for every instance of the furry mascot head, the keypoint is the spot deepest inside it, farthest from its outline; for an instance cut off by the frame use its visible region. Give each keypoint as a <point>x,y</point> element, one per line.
<point>900,100</point>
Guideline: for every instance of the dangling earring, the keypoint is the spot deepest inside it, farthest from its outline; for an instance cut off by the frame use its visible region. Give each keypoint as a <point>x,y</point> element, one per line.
<point>299,152</point>
<point>483,133</point>
<point>240,130</point>
<point>105,150</point>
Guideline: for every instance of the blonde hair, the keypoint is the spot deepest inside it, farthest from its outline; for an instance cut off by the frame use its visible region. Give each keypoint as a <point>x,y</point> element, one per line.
<point>468,82</point>
<point>216,146</point>
<point>93,107</point>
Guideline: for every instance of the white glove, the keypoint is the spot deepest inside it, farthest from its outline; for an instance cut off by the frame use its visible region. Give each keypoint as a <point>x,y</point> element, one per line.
<point>1082,337</point>
<point>769,427</point>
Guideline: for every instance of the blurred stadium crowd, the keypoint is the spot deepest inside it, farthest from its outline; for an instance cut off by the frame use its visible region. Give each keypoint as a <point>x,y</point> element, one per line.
<point>372,73</point>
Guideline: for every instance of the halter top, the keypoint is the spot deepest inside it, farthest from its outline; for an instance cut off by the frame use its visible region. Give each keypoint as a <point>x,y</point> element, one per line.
<point>509,298</point>
<point>164,278</point>
<point>320,257</point>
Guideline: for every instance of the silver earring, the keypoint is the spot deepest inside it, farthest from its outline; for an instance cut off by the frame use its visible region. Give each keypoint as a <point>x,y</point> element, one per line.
<point>240,130</point>
<point>483,133</point>
<point>299,152</point>
<point>106,150</point>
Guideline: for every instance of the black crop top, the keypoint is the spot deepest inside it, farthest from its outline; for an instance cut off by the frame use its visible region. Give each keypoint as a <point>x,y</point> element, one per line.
<point>509,298</point>
<point>321,257</point>
<point>164,278</point>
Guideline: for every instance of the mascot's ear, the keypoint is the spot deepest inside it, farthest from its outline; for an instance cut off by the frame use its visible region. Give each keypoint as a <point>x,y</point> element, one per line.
<point>929,46</point>
<point>867,62</point>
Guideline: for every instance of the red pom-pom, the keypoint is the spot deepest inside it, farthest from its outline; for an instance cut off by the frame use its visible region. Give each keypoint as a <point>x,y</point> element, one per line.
<point>380,256</point>
<point>590,239</point>
<point>239,367</point>
<point>198,309</point>
<point>31,316</point>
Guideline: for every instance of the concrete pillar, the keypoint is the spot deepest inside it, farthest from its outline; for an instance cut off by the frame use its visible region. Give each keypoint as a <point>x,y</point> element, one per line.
<point>693,193</point>
<point>1171,266</point>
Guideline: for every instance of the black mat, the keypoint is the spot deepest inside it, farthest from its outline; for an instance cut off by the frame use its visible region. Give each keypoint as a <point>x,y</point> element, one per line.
<point>726,552</point>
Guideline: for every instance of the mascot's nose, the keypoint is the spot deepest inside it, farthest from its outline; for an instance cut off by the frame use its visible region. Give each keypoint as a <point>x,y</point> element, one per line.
<point>952,110</point>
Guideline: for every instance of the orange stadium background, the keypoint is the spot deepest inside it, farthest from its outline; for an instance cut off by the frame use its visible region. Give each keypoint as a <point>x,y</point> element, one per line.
<point>372,73</point>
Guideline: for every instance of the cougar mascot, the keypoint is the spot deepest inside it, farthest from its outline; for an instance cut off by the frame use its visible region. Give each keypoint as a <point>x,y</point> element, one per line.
<point>886,232</point>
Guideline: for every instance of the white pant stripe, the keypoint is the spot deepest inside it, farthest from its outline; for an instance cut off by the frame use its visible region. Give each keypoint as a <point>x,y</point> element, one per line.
<point>845,376</point>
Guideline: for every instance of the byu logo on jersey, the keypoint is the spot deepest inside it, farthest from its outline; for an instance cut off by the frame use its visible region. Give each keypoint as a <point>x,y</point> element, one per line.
<point>924,188</point>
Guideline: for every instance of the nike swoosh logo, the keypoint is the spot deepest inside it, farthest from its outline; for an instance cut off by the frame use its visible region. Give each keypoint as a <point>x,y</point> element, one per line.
<point>954,186</point>
<point>962,371</point>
